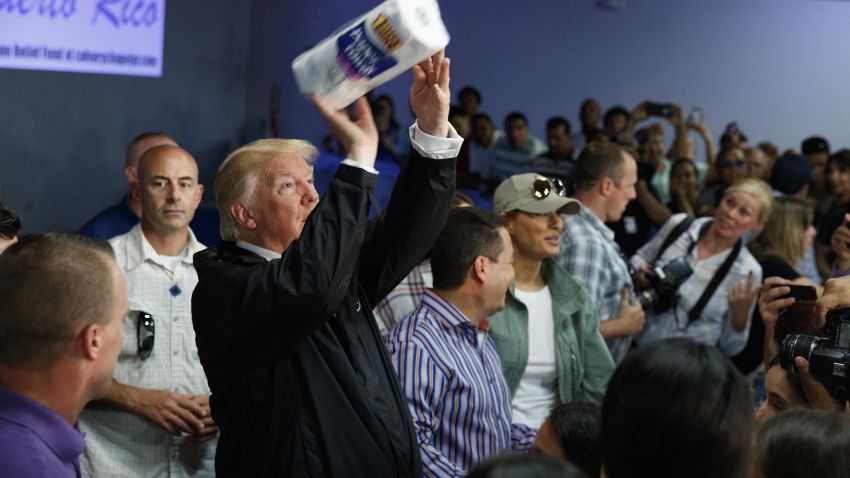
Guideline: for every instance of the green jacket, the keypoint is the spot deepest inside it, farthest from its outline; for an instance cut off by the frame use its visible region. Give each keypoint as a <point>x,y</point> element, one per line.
<point>582,359</point>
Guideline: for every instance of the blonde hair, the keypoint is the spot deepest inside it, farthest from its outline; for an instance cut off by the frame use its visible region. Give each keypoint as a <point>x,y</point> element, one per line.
<point>240,172</point>
<point>785,230</point>
<point>758,190</point>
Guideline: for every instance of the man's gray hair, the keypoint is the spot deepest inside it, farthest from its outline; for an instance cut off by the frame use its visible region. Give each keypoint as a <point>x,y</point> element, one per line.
<point>240,172</point>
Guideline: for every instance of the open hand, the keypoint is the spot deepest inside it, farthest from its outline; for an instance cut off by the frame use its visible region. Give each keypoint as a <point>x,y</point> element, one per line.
<point>430,97</point>
<point>359,137</point>
<point>742,294</point>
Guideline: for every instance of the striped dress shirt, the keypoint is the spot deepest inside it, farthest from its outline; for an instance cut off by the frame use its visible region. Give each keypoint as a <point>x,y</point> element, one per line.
<point>452,378</point>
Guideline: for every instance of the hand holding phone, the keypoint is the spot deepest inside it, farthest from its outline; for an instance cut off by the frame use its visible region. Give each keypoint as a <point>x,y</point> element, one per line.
<point>659,109</point>
<point>800,293</point>
<point>695,116</point>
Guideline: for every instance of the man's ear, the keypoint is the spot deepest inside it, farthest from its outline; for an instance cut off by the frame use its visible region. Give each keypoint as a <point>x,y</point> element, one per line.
<point>91,338</point>
<point>480,268</point>
<point>242,215</point>
<point>606,185</point>
<point>131,173</point>
<point>136,190</point>
<point>199,194</point>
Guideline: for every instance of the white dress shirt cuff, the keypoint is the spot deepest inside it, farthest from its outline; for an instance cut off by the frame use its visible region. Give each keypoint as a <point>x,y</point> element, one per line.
<point>358,165</point>
<point>433,147</point>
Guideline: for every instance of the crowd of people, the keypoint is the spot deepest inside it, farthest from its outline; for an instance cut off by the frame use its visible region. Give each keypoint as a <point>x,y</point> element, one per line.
<point>628,307</point>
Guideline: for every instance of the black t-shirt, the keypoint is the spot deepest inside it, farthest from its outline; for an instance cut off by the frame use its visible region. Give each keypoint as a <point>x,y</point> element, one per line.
<point>834,218</point>
<point>634,229</point>
<point>751,357</point>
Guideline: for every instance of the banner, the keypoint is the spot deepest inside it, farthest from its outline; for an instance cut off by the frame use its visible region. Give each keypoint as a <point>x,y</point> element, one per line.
<point>117,37</point>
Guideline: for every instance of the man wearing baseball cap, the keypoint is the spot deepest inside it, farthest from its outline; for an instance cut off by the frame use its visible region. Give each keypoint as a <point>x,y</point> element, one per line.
<point>547,335</point>
<point>816,150</point>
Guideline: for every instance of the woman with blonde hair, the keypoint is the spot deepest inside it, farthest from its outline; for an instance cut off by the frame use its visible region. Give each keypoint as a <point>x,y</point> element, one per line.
<point>783,241</point>
<point>713,303</point>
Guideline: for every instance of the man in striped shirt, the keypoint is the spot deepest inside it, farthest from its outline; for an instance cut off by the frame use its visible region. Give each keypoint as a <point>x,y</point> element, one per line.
<point>447,364</point>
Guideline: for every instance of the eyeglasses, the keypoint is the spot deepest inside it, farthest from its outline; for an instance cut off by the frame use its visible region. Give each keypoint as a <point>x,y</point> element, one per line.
<point>144,334</point>
<point>542,187</point>
<point>728,164</point>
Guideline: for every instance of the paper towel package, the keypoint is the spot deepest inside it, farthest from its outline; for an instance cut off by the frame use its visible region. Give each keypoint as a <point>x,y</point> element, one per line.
<point>371,50</point>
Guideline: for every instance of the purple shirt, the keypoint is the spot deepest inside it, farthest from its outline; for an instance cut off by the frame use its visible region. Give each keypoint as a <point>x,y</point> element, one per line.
<point>35,441</point>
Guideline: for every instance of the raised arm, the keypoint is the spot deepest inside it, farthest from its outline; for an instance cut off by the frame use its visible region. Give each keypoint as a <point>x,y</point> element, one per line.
<point>401,238</point>
<point>679,148</point>
<point>710,157</point>
<point>658,213</point>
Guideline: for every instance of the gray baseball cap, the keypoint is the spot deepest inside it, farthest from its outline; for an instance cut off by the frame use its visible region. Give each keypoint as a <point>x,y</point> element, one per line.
<point>534,193</point>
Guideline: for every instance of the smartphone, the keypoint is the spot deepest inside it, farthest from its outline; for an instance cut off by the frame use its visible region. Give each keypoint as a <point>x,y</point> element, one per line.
<point>695,117</point>
<point>800,292</point>
<point>659,109</point>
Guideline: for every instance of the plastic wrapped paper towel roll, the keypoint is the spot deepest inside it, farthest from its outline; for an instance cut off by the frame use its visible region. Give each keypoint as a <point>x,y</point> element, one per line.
<point>371,50</point>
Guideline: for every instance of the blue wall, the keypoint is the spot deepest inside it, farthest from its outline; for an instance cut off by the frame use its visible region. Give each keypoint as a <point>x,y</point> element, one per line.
<point>778,67</point>
<point>63,135</point>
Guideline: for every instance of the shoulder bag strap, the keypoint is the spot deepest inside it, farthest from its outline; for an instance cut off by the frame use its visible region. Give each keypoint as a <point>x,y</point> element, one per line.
<point>697,309</point>
<point>677,231</point>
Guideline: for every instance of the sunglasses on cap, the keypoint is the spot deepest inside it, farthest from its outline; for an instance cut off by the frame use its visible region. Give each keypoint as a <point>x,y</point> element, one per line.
<point>144,334</point>
<point>542,187</point>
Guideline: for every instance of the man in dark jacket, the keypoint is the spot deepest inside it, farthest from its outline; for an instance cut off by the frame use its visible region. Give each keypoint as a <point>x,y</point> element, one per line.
<point>301,384</point>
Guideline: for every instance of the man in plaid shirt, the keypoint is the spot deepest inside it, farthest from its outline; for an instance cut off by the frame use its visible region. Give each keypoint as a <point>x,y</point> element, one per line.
<point>605,178</point>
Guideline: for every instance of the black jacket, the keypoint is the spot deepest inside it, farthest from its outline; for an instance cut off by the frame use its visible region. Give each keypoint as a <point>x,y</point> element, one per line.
<point>300,379</point>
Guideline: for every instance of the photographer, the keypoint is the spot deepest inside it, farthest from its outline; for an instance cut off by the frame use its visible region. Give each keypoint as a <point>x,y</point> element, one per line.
<point>714,303</point>
<point>817,381</point>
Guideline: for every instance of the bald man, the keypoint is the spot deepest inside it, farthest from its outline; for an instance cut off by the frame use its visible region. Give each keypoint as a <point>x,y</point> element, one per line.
<point>121,217</point>
<point>155,421</point>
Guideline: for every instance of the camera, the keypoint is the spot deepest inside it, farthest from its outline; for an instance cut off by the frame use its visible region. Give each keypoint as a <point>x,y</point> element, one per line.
<point>829,357</point>
<point>663,282</point>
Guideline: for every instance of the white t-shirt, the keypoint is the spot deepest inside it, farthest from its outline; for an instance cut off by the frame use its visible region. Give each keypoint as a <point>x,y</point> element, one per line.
<point>537,390</point>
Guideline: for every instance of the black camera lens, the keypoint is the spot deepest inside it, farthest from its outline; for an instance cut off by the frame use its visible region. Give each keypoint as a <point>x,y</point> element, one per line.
<point>796,346</point>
